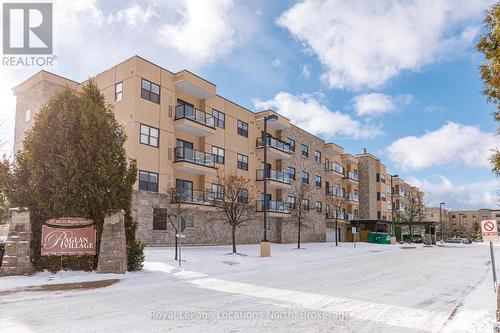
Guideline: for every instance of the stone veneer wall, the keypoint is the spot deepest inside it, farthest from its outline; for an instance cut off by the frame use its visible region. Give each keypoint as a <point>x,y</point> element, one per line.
<point>17,256</point>
<point>113,249</point>
<point>367,188</point>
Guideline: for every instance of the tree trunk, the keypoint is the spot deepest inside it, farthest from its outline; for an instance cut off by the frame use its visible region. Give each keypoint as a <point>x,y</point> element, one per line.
<point>234,237</point>
<point>336,234</point>
<point>176,249</point>
<point>298,236</point>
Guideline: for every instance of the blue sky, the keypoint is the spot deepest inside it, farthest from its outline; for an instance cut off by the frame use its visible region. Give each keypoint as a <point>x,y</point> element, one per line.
<point>398,78</point>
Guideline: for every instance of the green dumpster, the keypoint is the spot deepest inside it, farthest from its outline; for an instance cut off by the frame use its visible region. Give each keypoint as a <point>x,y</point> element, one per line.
<point>379,238</point>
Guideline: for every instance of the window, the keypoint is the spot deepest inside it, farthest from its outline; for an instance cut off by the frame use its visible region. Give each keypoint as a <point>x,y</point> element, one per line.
<point>305,150</point>
<point>318,181</point>
<point>317,156</point>
<point>242,128</point>
<point>159,219</point>
<point>291,172</point>
<point>379,215</point>
<point>242,162</point>
<point>148,181</point>
<point>327,162</point>
<point>242,195</point>
<point>118,91</point>
<point>382,178</point>
<point>305,204</point>
<point>27,115</point>
<point>218,154</point>
<point>382,196</point>
<point>149,135</point>
<point>219,118</point>
<point>291,201</point>
<point>188,221</point>
<point>318,207</point>
<point>218,191</point>
<point>150,91</point>
<point>291,143</point>
<point>305,177</point>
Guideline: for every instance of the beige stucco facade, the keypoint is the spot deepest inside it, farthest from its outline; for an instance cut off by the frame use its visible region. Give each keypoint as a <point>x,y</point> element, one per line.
<point>176,122</point>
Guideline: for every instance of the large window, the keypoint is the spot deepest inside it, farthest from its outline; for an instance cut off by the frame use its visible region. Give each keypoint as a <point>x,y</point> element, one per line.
<point>317,156</point>
<point>159,219</point>
<point>291,172</point>
<point>305,204</point>
<point>149,135</point>
<point>318,181</point>
<point>148,181</point>
<point>318,207</point>
<point>242,128</point>
<point>150,91</point>
<point>188,221</point>
<point>218,191</point>
<point>219,118</point>
<point>118,91</point>
<point>291,202</point>
<point>218,154</point>
<point>291,143</point>
<point>242,162</point>
<point>242,195</point>
<point>305,150</point>
<point>305,177</point>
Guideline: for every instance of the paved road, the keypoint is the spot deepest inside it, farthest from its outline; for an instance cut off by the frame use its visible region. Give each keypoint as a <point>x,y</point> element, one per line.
<point>411,290</point>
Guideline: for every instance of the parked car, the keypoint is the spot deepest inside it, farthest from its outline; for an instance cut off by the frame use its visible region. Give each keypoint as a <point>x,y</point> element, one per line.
<point>417,238</point>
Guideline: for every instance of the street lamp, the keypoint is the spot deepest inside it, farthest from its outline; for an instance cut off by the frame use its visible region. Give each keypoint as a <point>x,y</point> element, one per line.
<point>392,204</point>
<point>265,250</point>
<point>441,218</point>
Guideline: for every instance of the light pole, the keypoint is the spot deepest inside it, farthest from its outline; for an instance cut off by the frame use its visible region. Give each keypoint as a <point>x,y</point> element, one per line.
<point>392,205</point>
<point>265,250</point>
<point>441,219</point>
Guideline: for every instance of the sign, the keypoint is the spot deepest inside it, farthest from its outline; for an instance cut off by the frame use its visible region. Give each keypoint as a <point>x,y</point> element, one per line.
<point>353,230</point>
<point>489,230</point>
<point>180,236</point>
<point>69,221</point>
<point>66,241</point>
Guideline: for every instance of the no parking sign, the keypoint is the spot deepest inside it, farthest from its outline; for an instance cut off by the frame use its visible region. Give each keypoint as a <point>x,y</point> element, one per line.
<point>489,230</point>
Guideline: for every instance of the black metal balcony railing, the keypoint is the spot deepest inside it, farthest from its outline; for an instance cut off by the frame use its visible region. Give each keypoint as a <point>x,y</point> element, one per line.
<point>275,143</point>
<point>332,215</point>
<point>352,175</point>
<point>334,167</point>
<point>276,175</point>
<point>336,192</point>
<point>183,154</point>
<point>274,206</point>
<point>193,196</point>
<point>188,112</point>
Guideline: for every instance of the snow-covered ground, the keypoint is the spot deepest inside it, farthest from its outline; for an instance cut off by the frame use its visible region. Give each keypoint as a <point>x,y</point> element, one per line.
<point>322,288</point>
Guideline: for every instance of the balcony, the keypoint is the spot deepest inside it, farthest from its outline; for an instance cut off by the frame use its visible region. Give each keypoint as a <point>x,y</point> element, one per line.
<point>195,197</point>
<point>275,179</point>
<point>275,207</point>
<point>193,161</point>
<point>335,167</point>
<point>277,149</point>
<point>194,121</point>
<point>352,176</point>
<point>354,197</point>
<point>335,191</point>
<point>332,215</point>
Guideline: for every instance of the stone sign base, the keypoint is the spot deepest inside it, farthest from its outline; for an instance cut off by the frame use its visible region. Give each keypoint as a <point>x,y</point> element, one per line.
<point>17,259</point>
<point>113,249</point>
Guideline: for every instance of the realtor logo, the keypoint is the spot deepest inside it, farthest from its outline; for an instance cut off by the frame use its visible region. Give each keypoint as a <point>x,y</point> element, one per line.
<point>27,28</point>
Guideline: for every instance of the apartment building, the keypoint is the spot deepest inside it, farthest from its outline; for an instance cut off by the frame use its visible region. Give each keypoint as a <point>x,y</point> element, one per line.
<point>181,132</point>
<point>460,221</point>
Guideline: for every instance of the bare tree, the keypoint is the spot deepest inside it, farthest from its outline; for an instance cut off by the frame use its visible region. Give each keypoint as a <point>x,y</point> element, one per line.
<point>176,209</point>
<point>413,210</point>
<point>336,200</point>
<point>299,211</point>
<point>235,203</point>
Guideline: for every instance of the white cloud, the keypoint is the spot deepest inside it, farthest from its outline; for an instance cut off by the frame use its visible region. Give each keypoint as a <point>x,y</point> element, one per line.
<point>306,72</point>
<point>433,108</point>
<point>468,196</point>
<point>307,112</point>
<point>133,15</point>
<point>453,143</point>
<point>366,43</point>
<point>203,32</point>
<point>373,104</point>
<point>276,62</point>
